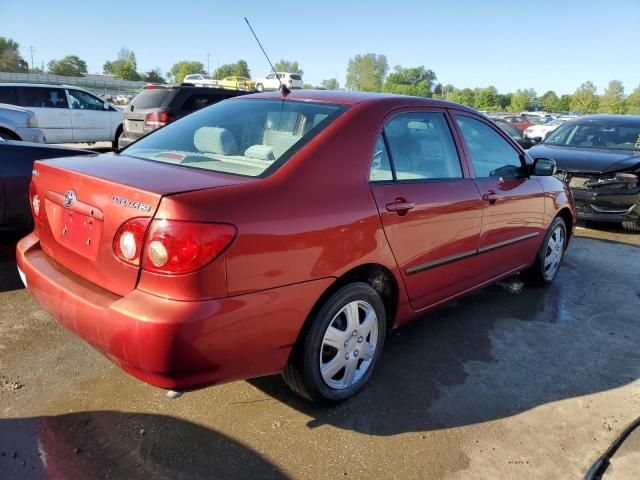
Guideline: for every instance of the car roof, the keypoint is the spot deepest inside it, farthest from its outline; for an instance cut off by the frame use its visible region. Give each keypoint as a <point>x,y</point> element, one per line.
<point>630,119</point>
<point>43,85</point>
<point>343,97</point>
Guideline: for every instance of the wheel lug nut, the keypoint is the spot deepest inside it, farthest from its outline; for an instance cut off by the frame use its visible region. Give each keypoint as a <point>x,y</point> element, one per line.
<point>354,333</point>
<point>346,344</point>
<point>346,357</point>
<point>356,353</point>
<point>360,339</point>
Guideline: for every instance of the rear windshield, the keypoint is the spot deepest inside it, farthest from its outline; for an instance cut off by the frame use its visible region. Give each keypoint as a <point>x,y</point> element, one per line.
<point>152,98</point>
<point>597,134</point>
<point>295,76</point>
<point>242,137</point>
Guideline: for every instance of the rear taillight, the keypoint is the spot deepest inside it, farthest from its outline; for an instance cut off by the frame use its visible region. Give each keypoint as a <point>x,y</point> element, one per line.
<point>157,119</point>
<point>171,247</point>
<point>37,208</point>
<point>129,240</point>
<point>175,247</point>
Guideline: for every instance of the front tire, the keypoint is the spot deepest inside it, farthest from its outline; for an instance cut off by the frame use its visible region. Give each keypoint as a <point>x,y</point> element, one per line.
<point>338,353</point>
<point>549,258</point>
<point>114,144</point>
<point>631,225</point>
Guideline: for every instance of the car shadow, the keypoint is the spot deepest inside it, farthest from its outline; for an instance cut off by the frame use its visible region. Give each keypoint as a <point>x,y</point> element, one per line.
<point>495,354</point>
<point>108,444</point>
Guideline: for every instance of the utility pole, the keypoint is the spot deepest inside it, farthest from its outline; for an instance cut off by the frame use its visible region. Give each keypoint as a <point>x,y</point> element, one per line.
<point>208,69</point>
<point>31,49</point>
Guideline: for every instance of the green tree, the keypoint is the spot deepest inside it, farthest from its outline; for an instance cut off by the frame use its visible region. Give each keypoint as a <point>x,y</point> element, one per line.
<point>69,66</point>
<point>522,100</point>
<point>503,100</point>
<point>633,102</point>
<point>288,66</point>
<point>153,76</point>
<point>124,67</point>
<point>564,103</point>
<point>550,101</point>
<point>184,68</point>
<point>10,59</point>
<point>416,81</point>
<point>367,72</point>
<point>238,69</point>
<point>486,99</point>
<point>330,84</point>
<point>466,96</point>
<point>585,99</point>
<point>613,99</point>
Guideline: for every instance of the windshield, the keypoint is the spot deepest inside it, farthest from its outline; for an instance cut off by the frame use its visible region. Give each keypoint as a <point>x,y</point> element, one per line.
<point>597,134</point>
<point>242,137</point>
<point>207,77</point>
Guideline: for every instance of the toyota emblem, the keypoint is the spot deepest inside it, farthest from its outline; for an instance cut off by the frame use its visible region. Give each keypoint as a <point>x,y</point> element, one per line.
<point>69,198</point>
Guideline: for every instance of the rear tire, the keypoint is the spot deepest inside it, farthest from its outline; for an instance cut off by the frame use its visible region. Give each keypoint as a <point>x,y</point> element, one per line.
<point>549,258</point>
<point>114,144</point>
<point>336,355</point>
<point>631,225</point>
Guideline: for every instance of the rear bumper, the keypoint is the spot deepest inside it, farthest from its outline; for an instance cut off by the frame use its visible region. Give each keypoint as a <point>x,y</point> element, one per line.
<point>609,206</point>
<point>167,343</point>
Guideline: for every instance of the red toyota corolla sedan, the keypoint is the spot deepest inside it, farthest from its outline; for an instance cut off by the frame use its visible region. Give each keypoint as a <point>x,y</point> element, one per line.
<point>271,234</point>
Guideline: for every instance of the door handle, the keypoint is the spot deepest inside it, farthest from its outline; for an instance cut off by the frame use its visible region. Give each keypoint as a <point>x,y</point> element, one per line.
<point>400,207</point>
<point>491,197</point>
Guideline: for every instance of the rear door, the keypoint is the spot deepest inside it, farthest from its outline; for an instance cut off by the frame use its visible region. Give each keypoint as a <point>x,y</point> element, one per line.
<point>513,203</point>
<point>91,122</point>
<point>430,210</point>
<point>51,108</point>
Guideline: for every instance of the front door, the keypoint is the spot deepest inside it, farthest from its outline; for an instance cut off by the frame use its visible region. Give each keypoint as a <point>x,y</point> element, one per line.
<point>90,120</point>
<point>49,104</point>
<point>513,203</point>
<point>431,212</point>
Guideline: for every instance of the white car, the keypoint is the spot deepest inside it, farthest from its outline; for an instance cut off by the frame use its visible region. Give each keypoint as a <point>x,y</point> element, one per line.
<point>271,82</point>
<point>17,123</point>
<point>200,80</point>
<point>66,114</point>
<point>541,131</point>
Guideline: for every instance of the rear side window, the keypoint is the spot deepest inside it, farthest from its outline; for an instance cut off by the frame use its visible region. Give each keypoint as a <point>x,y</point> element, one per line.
<point>242,137</point>
<point>421,147</point>
<point>198,101</point>
<point>43,97</point>
<point>491,155</point>
<point>153,98</point>
<point>9,95</point>
<point>295,76</point>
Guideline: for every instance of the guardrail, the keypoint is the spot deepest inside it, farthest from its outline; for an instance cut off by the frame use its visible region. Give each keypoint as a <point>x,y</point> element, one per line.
<point>98,83</point>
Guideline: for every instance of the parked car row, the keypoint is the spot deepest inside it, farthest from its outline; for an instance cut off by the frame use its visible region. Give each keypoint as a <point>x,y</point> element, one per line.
<point>270,82</point>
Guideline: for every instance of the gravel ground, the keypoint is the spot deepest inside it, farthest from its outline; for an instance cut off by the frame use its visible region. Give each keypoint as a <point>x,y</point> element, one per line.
<point>494,386</point>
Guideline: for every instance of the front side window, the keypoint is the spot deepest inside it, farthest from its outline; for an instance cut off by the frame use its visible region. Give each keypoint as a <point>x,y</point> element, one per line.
<point>43,97</point>
<point>242,137</point>
<point>422,147</point>
<point>9,95</point>
<point>84,101</point>
<point>491,155</point>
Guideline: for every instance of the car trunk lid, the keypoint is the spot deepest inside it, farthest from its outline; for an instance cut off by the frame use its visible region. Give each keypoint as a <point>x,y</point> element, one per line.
<point>86,200</point>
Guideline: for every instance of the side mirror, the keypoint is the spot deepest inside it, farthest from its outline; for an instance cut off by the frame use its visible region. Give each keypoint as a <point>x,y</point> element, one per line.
<point>537,139</point>
<point>544,167</point>
<point>106,106</point>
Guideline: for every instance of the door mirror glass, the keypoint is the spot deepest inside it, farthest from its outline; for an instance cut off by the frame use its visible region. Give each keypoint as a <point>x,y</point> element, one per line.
<point>544,167</point>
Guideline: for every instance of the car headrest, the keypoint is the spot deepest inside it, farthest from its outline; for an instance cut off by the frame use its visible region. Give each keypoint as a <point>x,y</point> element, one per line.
<point>260,152</point>
<point>215,140</point>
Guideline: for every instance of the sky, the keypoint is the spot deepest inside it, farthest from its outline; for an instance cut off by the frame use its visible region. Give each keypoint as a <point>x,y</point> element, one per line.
<point>544,45</point>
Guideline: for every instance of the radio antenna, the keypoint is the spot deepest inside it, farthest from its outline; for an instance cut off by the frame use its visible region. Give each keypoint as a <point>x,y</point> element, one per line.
<point>285,90</point>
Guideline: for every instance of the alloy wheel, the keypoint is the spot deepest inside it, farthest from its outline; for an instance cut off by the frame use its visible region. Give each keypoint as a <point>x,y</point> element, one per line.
<point>554,252</point>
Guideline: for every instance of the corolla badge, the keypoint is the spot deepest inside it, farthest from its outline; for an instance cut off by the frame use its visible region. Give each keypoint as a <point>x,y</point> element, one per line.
<point>69,198</point>
<point>130,203</point>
